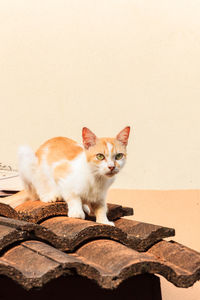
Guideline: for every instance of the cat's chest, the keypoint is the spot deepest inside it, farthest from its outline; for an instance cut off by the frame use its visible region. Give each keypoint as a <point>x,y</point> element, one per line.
<point>95,190</point>
<point>84,182</point>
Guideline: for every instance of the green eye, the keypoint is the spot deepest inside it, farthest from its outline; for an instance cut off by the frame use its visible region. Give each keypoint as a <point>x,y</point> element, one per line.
<point>119,156</point>
<point>100,156</point>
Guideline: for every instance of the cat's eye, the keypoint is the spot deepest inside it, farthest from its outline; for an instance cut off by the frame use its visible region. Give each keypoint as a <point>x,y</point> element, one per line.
<point>119,156</point>
<point>100,156</point>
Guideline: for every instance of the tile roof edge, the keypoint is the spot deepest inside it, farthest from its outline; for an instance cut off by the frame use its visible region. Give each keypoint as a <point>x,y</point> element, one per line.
<point>145,263</point>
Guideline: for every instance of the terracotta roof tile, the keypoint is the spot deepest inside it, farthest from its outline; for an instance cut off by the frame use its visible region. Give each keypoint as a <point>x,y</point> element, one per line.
<point>36,211</point>
<point>129,262</point>
<point>97,260</point>
<point>140,235</point>
<point>183,260</point>
<point>10,235</point>
<point>29,267</point>
<point>50,244</point>
<point>7,211</point>
<point>68,233</point>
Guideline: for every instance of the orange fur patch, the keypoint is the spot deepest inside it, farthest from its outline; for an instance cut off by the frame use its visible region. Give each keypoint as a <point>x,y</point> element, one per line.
<point>59,148</point>
<point>61,171</point>
<point>102,147</point>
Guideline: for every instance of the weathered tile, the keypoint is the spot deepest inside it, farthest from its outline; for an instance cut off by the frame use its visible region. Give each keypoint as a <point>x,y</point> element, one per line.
<point>50,252</point>
<point>117,211</point>
<point>30,268</point>
<point>10,235</point>
<point>18,224</point>
<point>7,211</point>
<point>184,261</point>
<point>37,211</point>
<point>68,233</point>
<point>33,263</point>
<point>103,253</point>
<point>141,236</point>
<point>112,256</point>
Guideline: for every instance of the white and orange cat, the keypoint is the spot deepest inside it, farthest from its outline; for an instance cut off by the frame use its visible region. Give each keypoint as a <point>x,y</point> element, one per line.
<point>80,175</point>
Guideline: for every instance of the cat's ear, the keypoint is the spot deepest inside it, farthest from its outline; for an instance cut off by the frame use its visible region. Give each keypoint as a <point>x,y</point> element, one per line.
<point>123,136</point>
<point>89,138</point>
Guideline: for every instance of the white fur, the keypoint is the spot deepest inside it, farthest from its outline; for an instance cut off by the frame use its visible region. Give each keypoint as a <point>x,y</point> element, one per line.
<point>110,147</point>
<point>110,160</point>
<point>28,164</point>
<point>83,185</point>
<point>37,178</point>
<point>121,162</point>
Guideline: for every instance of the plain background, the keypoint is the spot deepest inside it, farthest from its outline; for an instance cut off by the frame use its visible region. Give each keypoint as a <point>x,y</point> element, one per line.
<point>106,64</point>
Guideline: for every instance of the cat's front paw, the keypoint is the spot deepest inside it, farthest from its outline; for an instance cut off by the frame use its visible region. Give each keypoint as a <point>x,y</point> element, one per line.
<point>51,197</point>
<point>76,213</point>
<point>109,223</point>
<point>106,222</point>
<point>86,209</point>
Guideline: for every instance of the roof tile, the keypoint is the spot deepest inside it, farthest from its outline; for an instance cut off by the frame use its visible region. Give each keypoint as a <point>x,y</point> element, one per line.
<point>9,235</point>
<point>68,233</point>
<point>104,253</point>
<point>37,211</point>
<point>129,262</point>
<point>140,235</point>
<point>30,268</point>
<point>183,260</point>
<point>7,211</point>
<point>108,262</point>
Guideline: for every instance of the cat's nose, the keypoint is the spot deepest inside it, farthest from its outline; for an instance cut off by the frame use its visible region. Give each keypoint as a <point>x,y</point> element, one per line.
<point>111,168</point>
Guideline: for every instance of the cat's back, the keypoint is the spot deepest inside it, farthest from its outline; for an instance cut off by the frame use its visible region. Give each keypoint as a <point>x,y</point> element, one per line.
<point>59,148</point>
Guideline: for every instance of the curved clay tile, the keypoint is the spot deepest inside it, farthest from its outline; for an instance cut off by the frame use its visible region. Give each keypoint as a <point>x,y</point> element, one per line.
<point>10,235</point>
<point>140,235</point>
<point>34,263</point>
<point>184,261</point>
<point>12,231</point>
<point>7,211</point>
<point>27,267</point>
<point>68,233</point>
<point>109,255</point>
<point>176,263</point>
<point>37,211</point>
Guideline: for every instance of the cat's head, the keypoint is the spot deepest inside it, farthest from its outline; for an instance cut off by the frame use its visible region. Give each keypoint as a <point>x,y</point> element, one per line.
<point>106,156</point>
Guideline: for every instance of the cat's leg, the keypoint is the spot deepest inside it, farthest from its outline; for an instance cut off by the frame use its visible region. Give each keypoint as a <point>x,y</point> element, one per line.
<point>47,195</point>
<point>100,211</point>
<point>75,207</point>
<point>86,209</point>
<point>45,187</point>
<point>37,177</point>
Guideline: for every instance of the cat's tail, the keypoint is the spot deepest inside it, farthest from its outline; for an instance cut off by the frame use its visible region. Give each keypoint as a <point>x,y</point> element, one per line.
<point>28,163</point>
<point>16,199</point>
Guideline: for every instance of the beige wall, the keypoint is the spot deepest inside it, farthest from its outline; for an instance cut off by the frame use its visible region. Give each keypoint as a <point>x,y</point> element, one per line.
<point>105,64</point>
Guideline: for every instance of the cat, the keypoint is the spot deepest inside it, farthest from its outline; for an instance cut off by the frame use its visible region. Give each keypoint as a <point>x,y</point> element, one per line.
<point>78,174</point>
